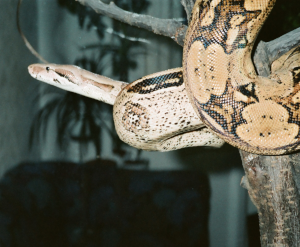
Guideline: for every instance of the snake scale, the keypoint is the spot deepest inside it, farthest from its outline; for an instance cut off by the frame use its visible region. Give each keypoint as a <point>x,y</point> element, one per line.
<point>217,96</point>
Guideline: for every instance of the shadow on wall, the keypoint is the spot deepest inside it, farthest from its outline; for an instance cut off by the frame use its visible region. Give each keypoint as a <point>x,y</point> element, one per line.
<point>96,204</point>
<point>207,159</point>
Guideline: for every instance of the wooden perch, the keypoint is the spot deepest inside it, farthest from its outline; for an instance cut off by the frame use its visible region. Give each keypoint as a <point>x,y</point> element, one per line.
<point>188,6</point>
<point>267,52</point>
<point>166,27</point>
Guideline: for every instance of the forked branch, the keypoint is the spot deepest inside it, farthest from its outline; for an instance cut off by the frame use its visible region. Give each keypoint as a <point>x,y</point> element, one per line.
<point>266,52</point>
<point>166,27</point>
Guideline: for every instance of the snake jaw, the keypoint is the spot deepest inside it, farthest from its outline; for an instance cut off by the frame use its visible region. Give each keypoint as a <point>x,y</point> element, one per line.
<point>52,74</point>
<point>74,79</point>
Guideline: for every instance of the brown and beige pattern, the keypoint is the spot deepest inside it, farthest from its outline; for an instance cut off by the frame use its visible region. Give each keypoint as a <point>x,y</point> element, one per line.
<point>256,114</point>
<point>217,87</point>
<point>152,113</point>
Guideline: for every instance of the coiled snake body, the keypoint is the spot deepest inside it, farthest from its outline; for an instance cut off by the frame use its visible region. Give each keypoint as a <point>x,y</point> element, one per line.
<point>217,86</point>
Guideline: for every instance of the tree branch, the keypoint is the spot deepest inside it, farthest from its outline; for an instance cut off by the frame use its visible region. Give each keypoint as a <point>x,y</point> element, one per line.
<point>188,6</point>
<point>267,52</point>
<point>273,190</point>
<point>166,27</point>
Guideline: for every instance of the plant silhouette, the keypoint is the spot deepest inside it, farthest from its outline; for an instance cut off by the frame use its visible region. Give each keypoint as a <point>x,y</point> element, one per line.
<point>79,118</point>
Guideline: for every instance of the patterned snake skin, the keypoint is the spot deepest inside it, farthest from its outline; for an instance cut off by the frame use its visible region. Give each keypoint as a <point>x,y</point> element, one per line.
<point>255,114</point>
<point>217,86</point>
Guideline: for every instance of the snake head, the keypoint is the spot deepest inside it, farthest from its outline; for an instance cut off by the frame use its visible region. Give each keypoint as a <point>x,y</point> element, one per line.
<point>74,79</point>
<point>61,76</point>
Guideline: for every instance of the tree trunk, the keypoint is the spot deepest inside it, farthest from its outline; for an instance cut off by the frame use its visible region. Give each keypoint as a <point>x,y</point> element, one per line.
<point>273,187</point>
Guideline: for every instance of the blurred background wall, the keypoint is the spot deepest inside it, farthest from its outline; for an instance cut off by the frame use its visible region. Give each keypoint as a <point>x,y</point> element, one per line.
<point>17,90</point>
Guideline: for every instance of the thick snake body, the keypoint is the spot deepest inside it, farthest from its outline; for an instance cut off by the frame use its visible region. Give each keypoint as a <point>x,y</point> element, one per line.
<point>256,114</point>
<point>155,113</point>
<point>152,113</point>
<point>217,86</point>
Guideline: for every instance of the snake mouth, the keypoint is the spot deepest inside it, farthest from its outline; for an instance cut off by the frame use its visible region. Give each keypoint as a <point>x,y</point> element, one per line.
<point>194,137</point>
<point>35,69</point>
<point>184,132</point>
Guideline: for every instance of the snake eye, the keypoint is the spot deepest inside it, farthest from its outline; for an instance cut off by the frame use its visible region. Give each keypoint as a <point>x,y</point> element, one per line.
<point>47,68</point>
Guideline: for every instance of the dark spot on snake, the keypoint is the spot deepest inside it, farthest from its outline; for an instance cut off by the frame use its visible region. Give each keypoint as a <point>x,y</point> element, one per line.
<point>65,76</point>
<point>261,134</point>
<point>48,68</point>
<point>249,93</point>
<point>264,116</point>
<point>296,75</point>
<point>242,46</point>
<point>55,80</point>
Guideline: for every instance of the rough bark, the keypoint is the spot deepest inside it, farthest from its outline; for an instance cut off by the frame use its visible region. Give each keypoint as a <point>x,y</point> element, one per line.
<point>166,27</point>
<point>267,52</point>
<point>188,6</point>
<point>273,182</point>
<point>272,187</point>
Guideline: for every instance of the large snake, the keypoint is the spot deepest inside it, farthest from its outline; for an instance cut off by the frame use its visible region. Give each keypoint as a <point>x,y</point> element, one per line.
<point>217,86</point>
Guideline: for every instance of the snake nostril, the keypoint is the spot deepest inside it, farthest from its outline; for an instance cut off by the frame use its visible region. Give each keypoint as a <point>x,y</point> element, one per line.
<point>30,69</point>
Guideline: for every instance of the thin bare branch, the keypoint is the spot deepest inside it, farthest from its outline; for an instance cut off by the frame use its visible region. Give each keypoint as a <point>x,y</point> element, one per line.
<point>266,52</point>
<point>188,6</point>
<point>27,43</point>
<point>166,27</point>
